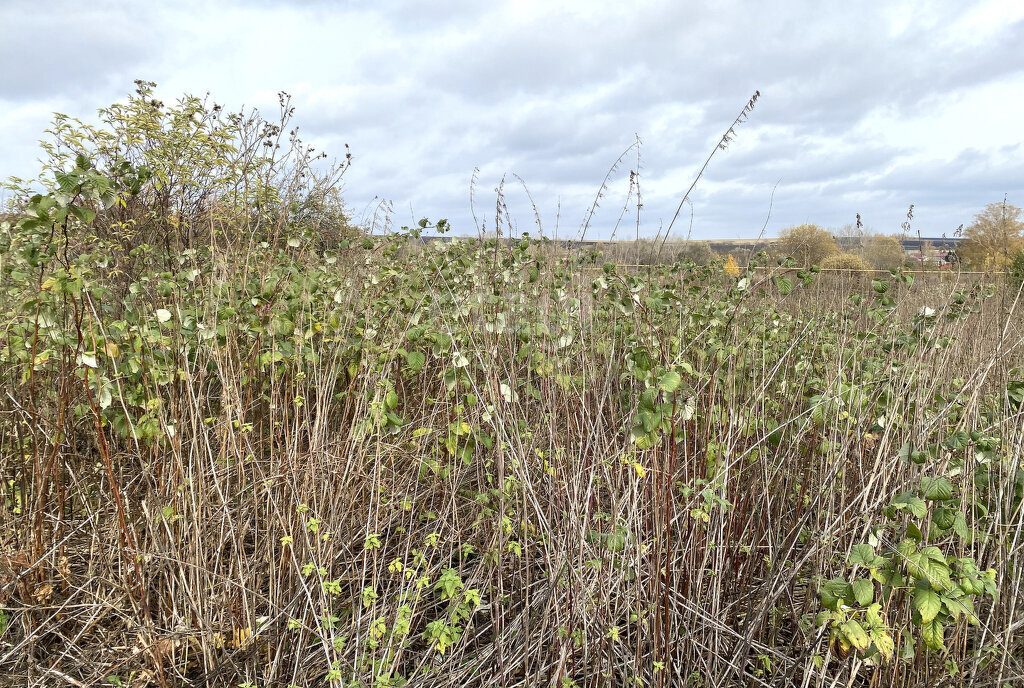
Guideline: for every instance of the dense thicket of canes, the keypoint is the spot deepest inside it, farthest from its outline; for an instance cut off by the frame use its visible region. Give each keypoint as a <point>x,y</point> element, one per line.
<point>240,449</point>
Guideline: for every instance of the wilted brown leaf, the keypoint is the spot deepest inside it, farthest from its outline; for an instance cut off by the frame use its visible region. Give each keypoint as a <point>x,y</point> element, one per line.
<point>42,593</point>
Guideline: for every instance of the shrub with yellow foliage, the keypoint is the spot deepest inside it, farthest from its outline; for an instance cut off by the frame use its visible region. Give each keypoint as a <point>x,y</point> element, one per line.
<point>807,244</point>
<point>848,262</point>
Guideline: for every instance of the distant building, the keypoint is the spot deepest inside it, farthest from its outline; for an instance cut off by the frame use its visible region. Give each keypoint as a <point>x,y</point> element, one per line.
<point>932,251</point>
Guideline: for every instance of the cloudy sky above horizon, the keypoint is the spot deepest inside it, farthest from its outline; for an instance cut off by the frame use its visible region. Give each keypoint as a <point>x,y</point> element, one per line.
<point>865,107</point>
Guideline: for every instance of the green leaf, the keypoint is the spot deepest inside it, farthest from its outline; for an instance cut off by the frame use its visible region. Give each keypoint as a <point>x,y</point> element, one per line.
<point>614,542</point>
<point>835,591</point>
<point>415,360</point>
<point>863,591</point>
<point>906,450</point>
<point>644,441</point>
<point>828,600</point>
<point>957,441</point>
<point>784,284</point>
<point>990,583</point>
<point>927,602</point>
<point>880,286</point>
<point>912,503</point>
<point>944,518</point>
<point>281,326</point>
<point>162,315</point>
<point>953,606</point>
<point>646,402</point>
<point>926,568</point>
<point>906,547</point>
<point>670,381</point>
<point>932,634</point>
<point>818,414</point>
<point>960,526</point>
<point>962,605</point>
<point>937,489</point>
<point>86,215</point>
<point>862,554</point>
<point>108,199</point>
<point>971,586</point>
<point>66,182</point>
<point>1015,394</point>
<point>913,532</point>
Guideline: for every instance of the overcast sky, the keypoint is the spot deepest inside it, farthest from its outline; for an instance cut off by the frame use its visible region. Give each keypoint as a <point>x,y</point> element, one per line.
<point>866,107</point>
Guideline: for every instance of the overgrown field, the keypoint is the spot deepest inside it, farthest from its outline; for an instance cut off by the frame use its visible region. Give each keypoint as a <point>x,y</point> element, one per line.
<point>252,457</point>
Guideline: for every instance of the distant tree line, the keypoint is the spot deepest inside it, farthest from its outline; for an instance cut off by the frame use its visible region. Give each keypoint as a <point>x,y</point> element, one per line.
<point>994,242</point>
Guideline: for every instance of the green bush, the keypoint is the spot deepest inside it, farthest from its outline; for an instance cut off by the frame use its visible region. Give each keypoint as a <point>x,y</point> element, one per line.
<point>196,175</point>
<point>1015,275</point>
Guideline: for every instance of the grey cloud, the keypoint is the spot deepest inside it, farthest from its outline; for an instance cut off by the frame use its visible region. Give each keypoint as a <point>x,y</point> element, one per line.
<point>792,160</point>
<point>57,49</point>
<point>426,92</point>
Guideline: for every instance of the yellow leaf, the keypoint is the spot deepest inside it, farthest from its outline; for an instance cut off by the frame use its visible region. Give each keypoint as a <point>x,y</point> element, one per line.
<point>240,637</point>
<point>883,643</point>
<point>855,635</point>
<point>731,267</point>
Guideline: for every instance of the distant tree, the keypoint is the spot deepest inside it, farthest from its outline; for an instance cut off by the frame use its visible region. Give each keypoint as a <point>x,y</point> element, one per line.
<point>844,261</point>
<point>996,235</point>
<point>644,252</point>
<point>884,252</point>
<point>807,244</point>
<point>846,231</point>
<point>741,255</point>
<point>700,252</point>
<point>850,238</point>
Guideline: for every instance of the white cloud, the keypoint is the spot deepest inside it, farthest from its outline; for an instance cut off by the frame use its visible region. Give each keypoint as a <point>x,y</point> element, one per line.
<point>865,107</point>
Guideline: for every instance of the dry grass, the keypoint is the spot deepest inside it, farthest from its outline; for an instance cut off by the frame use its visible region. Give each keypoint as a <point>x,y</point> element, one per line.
<point>180,561</point>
